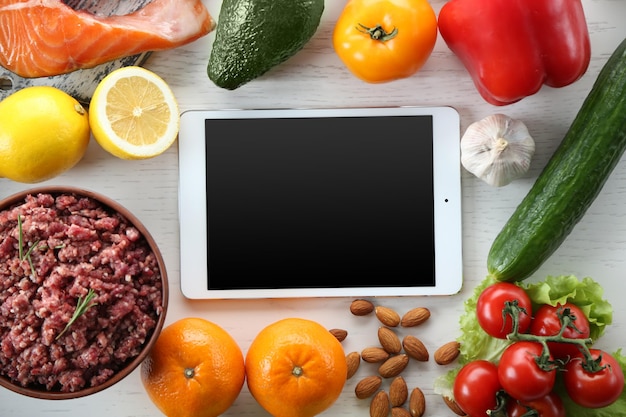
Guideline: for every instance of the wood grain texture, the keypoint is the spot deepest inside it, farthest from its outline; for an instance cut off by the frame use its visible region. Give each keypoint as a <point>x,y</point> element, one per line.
<point>316,78</point>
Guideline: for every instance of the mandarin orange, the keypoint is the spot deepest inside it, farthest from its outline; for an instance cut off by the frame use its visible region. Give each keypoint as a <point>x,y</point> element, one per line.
<point>194,369</point>
<point>295,368</point>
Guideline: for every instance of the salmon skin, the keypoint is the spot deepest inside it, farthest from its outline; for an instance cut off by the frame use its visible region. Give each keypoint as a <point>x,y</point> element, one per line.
<point>43,38</point>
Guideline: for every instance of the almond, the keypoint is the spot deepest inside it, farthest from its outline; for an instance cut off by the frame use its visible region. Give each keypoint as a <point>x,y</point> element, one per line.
<point>367,386</point>
<point>447,353</point>
<point>393,366</point>
<point>415,317</point>
<point>374,354</point>
<point>398,392</point>
<point>417,403</point>
<point>379,407</point>
<point>340,334</point>
<point>415,348</point>
<point>353,361</point>
<point>387,316</point>
<point>452,405</point>
<point>389,340</point>
<point>399,412</point>
<point>361,307</point>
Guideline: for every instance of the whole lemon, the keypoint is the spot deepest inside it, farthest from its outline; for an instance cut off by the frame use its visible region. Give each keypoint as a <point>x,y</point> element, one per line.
<point>43,132</point>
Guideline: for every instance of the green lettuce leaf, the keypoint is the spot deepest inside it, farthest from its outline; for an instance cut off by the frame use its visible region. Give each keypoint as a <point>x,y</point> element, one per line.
<point>586,294</point>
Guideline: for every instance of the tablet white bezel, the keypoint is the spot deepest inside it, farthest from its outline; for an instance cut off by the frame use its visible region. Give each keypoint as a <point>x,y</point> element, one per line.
<point>447,199</point>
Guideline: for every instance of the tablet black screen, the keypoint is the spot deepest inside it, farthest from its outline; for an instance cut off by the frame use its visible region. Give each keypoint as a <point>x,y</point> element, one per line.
<point>320,202</point>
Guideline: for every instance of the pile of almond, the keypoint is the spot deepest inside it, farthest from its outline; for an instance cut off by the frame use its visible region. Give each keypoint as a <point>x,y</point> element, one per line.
<point>392,357</point>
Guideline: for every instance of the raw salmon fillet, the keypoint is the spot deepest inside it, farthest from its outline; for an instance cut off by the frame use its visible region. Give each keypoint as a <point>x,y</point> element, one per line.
<point>40,38</point>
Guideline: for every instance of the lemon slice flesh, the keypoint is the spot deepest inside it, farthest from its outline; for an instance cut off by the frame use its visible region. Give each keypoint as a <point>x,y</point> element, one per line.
<point>134,114</point>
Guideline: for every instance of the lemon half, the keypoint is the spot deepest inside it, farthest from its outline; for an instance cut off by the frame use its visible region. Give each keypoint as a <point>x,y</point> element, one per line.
<point>43,133</point>
<point>134,114</point>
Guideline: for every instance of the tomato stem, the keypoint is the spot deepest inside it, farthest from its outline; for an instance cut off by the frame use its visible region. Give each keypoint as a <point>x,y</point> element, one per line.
<point>377,33</point>
<point>567,320</point>
<point>500,409</point>
<point>513,309</point>
<point>592,365</point>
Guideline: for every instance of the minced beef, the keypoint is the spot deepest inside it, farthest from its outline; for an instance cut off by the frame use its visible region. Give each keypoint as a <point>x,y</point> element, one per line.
<point>69,245</point>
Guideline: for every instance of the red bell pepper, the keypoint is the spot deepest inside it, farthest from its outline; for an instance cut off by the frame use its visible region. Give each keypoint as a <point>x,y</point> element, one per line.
<point>512,47</point>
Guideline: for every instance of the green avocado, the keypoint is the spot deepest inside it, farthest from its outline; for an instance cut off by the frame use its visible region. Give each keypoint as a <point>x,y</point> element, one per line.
<point>253,36</point>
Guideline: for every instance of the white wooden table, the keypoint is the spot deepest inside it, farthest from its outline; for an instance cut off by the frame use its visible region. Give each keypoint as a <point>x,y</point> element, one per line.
<point>315,77</point>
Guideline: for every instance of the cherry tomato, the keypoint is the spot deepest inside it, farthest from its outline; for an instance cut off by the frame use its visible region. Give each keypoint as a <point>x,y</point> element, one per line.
<point>594,389</point>
<point>490,305</point>
<point>520,374</point>
<point>385,40</point>
<point>475,388</point>
<point>546,322</point>
<point>549,406</point>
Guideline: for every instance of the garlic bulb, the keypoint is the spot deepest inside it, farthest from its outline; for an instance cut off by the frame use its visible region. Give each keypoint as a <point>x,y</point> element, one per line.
<point>497,149</point>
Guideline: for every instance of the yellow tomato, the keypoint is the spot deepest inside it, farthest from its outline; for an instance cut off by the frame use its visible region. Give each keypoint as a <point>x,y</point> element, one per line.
<point>385,40</point>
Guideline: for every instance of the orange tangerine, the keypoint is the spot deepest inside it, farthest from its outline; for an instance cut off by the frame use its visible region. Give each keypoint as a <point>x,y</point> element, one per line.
<point>295,368</point>
<point>194,369</point>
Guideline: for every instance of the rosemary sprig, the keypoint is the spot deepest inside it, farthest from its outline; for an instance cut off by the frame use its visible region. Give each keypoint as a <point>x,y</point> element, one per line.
<point>26,255</point>
<point>82,305</point>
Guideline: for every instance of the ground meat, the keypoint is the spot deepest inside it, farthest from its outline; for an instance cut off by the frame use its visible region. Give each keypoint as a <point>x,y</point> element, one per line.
<point>70,244</point>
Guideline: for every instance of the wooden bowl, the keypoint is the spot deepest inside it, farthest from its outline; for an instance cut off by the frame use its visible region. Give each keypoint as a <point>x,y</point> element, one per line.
<point>105,325</point>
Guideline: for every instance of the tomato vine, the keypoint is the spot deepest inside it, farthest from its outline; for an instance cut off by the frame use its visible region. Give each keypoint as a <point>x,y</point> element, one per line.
<point>527,369</point>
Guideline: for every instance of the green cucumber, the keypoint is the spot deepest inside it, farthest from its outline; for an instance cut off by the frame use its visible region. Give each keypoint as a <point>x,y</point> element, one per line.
<point>570,182</point>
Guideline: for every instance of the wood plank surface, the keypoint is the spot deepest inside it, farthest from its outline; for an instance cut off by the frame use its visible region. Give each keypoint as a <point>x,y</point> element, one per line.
<point>316,78</point>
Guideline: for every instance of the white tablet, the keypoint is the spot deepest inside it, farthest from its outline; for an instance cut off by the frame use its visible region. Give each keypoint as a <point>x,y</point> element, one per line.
<point>349,202</point>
